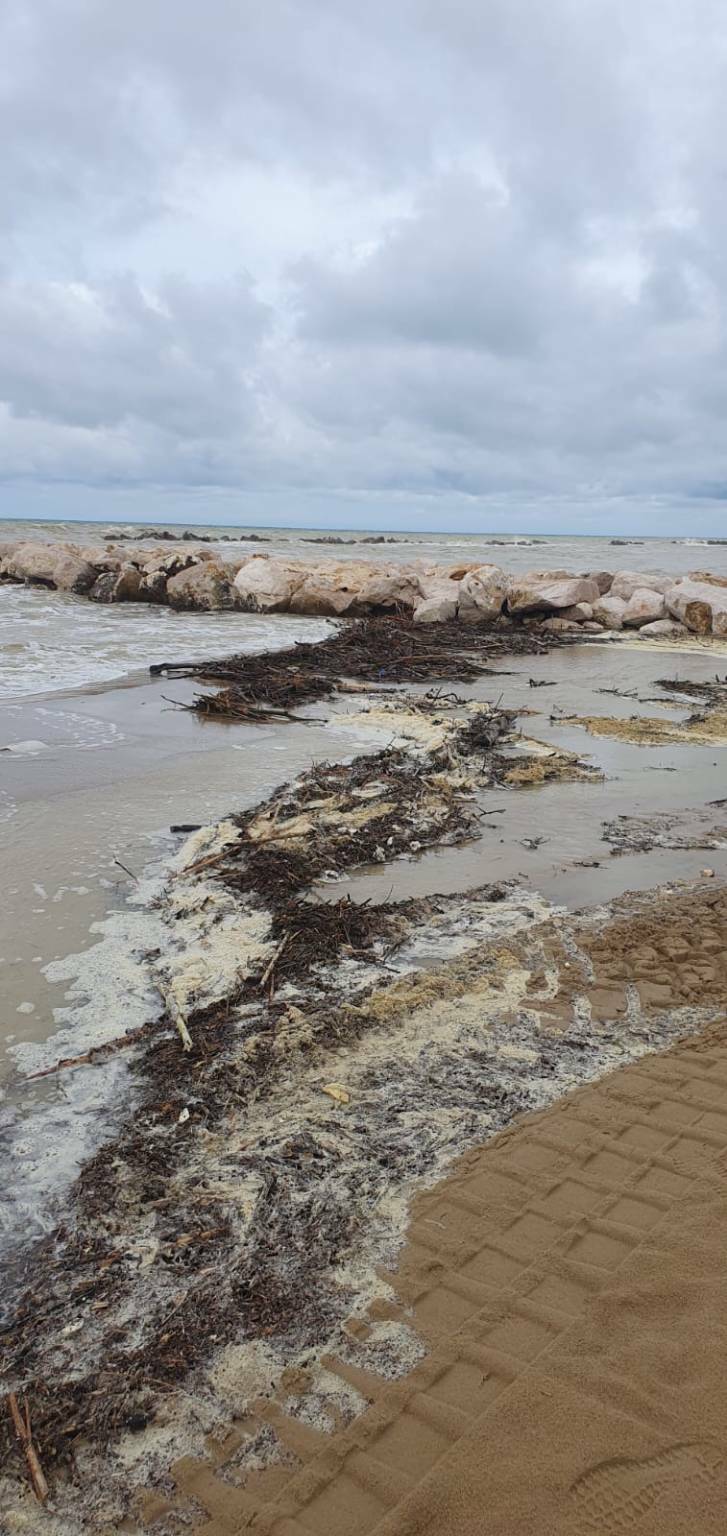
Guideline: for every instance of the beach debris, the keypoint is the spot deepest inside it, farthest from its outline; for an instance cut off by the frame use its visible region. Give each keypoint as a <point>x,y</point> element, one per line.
<point>95,1054</point>
<point>267,975</point>
<point>179,1021</point>
<point>127,871</point>
<point>22,1427</point>
<point>337,1092</point>
<point>244,1223</point>
<point>379,650</point>
<point>695,828</point>
<point>705,727</point>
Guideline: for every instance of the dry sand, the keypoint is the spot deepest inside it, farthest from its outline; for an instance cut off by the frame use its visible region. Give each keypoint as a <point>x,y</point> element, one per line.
<point>570,1282</point>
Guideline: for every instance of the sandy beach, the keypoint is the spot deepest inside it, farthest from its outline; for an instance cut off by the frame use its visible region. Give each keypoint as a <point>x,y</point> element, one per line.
<point>363,769</point>
<point>314,943</point>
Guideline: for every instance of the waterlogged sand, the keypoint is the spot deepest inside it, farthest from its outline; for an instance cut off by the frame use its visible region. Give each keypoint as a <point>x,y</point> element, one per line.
<point>521,1291</point>
<point>100,777</point>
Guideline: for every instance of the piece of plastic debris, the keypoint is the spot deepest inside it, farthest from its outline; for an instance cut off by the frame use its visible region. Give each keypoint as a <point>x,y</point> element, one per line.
<point>183,1118</point>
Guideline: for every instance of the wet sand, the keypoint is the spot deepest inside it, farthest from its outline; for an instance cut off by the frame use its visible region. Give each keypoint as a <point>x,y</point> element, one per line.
<point>570,1282</point>
<point>552,838</point>
<point>86,807</point>
<point>113,767</point>
<point>121,765</point>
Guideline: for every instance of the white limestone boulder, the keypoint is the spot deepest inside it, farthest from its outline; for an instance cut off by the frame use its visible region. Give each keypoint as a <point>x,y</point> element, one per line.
<point>205,586</point>
<point>50,565</point>
<point>482,594</point>
<point>701,605</point>
<point>119,586</point>
<point>389,589</point>
<point>159,568</point>
<point>610,611</point>
<point>643,607</point>
<point>437,610</point>
<point>546,594</point>
<point>582,613</point>
<point>625,583</point>
<point>557,625</point>
<point>668,627</point>
<point>603,580</point>
<point>267,586</point>
<point>318,594</point>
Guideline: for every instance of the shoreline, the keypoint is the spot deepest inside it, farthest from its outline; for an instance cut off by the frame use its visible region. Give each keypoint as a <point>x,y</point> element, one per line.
<point>448,955</point>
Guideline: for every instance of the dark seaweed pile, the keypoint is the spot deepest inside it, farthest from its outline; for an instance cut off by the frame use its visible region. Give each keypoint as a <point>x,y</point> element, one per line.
<point>382,650</point>
<point>84,1269</point>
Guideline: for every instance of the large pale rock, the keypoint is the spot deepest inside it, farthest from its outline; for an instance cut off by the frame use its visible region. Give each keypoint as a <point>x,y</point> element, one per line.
<point>545,595</point>
<point>581,614</point>
<point>603,580</point>
<point>457,572</point>
<point>435,583</point>
<point>32,562</point>
<point>266,586</point>
<point>560,626</point>
<point>51,565</point>
<point>158,569</point>
<point>72,574</point>
<point>389,589</point>
<point>482,594</point>
<point>204,586</point>
<point>105,559</point>
<point>669,627</point>
<point>643,607</point>
<point>609,611</point>
<point>317,594</point>
<point>120,586</point>
<point>714,581</point>
<point>625,583</point>
<point>701,605</point>
<point>7,550</point>
<point>436,610</point>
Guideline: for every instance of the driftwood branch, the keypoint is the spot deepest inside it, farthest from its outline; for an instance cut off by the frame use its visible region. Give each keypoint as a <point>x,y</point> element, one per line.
<point>179,1021</point>
<point>23,1431</point>
<point>270,967</point>
<point>96,1053</point>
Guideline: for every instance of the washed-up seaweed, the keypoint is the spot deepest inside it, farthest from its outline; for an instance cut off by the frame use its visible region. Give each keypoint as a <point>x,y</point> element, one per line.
<point>85,1270</point>
<point>209,1288</point>
<point>383,651</point>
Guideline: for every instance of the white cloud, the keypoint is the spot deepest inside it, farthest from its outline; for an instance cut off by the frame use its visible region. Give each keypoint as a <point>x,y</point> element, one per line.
<point>421,255</point>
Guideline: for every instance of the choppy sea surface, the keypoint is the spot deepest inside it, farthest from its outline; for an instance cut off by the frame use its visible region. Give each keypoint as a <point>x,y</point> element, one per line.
<point>51,641</point>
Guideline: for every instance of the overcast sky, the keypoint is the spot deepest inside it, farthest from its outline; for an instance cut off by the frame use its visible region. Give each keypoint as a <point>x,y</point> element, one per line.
<point>431,263</point>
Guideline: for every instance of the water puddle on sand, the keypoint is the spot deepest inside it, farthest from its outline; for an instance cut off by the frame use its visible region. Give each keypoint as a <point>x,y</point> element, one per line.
<point>552,837</point>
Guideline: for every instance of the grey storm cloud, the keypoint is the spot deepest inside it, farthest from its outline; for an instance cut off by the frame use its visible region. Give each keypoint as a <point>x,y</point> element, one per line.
<point>435,256</point>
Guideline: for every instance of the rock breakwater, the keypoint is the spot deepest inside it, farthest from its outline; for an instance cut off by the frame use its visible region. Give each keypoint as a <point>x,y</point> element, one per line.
<point>195,577</point>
